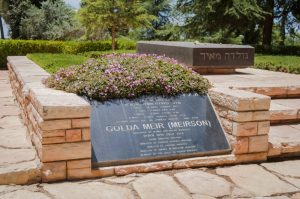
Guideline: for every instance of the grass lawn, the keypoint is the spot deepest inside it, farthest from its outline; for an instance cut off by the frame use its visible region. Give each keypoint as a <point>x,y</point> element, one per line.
<point>288,64</point>
<point>52,62</point>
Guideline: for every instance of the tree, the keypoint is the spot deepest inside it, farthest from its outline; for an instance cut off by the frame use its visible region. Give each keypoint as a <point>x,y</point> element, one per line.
<point>207,17</point>
<point>15,11</point>
<point>53,20</point>
<point>114,16</point>
<point>161,26</point>
<point>2,8</point>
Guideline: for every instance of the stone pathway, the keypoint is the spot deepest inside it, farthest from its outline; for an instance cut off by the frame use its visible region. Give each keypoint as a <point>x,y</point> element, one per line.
<point>18,159</point>
<point>278,180</point>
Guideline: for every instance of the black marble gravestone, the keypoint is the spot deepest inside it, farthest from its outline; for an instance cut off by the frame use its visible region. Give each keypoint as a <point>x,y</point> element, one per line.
<point>155,128</point>
<point>224,56</point>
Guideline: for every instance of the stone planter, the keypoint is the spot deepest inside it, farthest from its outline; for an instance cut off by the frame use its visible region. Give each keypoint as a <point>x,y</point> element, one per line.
<point>59,127</point>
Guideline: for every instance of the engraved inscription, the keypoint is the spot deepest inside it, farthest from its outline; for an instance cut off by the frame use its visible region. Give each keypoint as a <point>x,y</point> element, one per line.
<point>226,56</point>
<point>155,127</point>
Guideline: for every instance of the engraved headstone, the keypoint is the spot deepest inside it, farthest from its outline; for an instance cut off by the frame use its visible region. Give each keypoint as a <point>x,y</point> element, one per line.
<point>201,55</point>
<point>155,128</point>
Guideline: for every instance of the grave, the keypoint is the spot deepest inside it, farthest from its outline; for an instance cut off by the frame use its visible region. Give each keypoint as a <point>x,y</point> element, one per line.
<point>202,57</point>
<point>153,128</point>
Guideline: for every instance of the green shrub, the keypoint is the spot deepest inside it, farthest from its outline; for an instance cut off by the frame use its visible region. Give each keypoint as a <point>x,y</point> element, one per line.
<point>128,76</point>
<point>98,54</point>
<point>287,64</point>
<point>125,44</point>
<point>23,47</point>
<point>277,50</point>
<point>80,47</point>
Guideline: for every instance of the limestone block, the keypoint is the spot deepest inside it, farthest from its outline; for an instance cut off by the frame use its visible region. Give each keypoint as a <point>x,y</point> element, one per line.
<point>79,164</point>
<point>241,145</point>
<point>86,134</point>
<point>54,133</point>
<point>83,173</point>
<point>244,129</point>
<point>54,171</point>
<point>49,125</point>
<point>239,100</point>
<point>251,157</point>
<point>227,125</point>
<point>53,104</point>
<point>272,91</point>
<point>53,140</point>
<point>247,116</point>
<point>143,168</point>
<point>81,123</point>
<point>66,151</point>
<point>258,143</point>
<point>293,91</point>
<point>73,135</point>
<point>263,128</point>
<point>274,150</point>
<point>204,161</point>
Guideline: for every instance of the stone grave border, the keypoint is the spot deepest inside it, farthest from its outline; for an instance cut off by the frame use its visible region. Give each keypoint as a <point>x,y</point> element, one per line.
<point>59,126</point>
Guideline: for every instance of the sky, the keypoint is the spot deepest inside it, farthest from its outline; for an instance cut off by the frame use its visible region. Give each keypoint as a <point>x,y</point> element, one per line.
<point>73,3</point>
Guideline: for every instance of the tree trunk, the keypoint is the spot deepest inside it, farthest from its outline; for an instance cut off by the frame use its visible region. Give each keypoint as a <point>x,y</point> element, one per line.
<point>113,38</point>
<point>282,27</point>
<point>1,28</point>
<point>268,24</point>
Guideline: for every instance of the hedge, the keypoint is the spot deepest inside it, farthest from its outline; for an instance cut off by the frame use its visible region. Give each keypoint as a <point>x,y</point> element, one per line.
<point>23,47</point>
<point>277,50</point>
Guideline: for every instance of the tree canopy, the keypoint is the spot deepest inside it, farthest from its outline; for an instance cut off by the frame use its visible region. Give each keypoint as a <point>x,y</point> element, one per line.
<point>114,16</point>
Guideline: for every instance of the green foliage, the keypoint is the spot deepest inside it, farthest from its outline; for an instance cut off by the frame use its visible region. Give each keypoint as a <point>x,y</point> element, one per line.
<point>288,64</point>
<point>113,16</point>
<point>206,17</point>
<point>52,21</point>
<point>53,62</point>
<point>99,54</point>
<point>128,76</point>
<point>277,50</point>
<point>160,28</point>
<point>13,15</point>
<point>23,47</point>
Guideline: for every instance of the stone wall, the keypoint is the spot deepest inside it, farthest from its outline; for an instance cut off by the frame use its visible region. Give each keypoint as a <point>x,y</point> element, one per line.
<point>59,127</point>
<point>245,117</point>
<point>58,122</point>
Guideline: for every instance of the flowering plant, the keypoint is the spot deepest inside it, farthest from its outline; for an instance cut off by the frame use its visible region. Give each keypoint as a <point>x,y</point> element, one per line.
<point>115,76</point>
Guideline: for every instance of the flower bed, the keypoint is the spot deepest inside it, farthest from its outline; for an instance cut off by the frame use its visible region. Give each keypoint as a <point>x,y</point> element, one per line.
<point>127,76</point>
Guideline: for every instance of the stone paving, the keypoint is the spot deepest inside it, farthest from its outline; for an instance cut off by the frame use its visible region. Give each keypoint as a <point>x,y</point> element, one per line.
<point>18,158</point>
<point>249,77</point>
<point>278,180</point>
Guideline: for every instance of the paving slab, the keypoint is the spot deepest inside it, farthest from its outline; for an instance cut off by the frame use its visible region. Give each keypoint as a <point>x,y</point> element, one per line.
<point>286,168</point>
<point>24,194</point>
<point>18,163</point>
<point>296,196</point>
<point>280,112</point>
<point>256,180</point>
<point>273,197</point>
<point>266,81</point>
<point>285,138</point>
<point>214,185</point>
<point>15,138</point>
<point>120,180</point>
<point>284,134</point>
<point>87,190</point>
<point>158,186</point>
